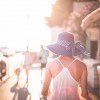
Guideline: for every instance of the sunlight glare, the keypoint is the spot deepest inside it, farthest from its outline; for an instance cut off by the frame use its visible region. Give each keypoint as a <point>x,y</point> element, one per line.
<point>22,23</point>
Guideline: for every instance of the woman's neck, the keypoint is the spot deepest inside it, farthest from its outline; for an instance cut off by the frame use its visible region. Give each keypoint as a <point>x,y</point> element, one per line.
<point>66,57</point>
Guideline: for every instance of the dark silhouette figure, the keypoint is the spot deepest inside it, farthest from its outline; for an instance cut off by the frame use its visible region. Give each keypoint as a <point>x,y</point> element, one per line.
<point>20,93</point>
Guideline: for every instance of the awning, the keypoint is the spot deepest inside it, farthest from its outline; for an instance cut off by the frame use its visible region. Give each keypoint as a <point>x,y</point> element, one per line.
<point>91,20</point>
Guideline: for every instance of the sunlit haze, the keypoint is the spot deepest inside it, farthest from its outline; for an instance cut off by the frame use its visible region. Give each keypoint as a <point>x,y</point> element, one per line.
<point>22,23</point>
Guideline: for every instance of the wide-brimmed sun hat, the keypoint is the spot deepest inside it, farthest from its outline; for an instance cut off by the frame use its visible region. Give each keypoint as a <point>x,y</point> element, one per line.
<point>66,45</point>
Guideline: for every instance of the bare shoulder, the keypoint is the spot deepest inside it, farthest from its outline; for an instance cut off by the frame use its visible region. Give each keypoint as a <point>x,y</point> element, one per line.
<point>81,64</point>
<point>51,63</point>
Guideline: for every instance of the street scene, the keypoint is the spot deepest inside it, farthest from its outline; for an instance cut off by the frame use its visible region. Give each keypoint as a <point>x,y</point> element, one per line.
<point>50,50</point>
<point>9,86</point>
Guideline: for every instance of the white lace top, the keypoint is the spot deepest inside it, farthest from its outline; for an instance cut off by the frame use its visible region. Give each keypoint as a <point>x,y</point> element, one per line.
<point>64,85</point>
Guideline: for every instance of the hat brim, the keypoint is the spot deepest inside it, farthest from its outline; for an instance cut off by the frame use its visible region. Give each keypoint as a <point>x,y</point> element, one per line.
<point>61,50</point>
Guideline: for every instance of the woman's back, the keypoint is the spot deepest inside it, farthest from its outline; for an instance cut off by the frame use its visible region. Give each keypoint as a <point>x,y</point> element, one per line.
<point>65,83</point>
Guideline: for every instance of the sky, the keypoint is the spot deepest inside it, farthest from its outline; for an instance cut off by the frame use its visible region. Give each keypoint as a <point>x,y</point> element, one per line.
<point>22,23</point>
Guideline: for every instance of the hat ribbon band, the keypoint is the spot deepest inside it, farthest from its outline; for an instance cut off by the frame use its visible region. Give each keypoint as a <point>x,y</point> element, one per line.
<point>63,43</point>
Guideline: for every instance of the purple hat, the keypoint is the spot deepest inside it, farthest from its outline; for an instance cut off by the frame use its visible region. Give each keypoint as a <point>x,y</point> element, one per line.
<point>66,46</point>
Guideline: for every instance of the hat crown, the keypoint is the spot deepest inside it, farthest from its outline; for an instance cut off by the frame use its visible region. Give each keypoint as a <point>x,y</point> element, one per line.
<point>66,36</point>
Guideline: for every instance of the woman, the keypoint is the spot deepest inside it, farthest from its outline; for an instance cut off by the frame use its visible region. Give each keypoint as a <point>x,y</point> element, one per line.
<point>67,72</point>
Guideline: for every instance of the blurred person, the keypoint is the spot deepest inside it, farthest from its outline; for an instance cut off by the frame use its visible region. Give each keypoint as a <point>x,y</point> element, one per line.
<point>43,58</point>
<point>28,61</point>
<point>67,71</point>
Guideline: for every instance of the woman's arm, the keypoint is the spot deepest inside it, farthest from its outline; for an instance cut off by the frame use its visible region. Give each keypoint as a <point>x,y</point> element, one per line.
<point>47,81</point>
<point>83,83</point>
